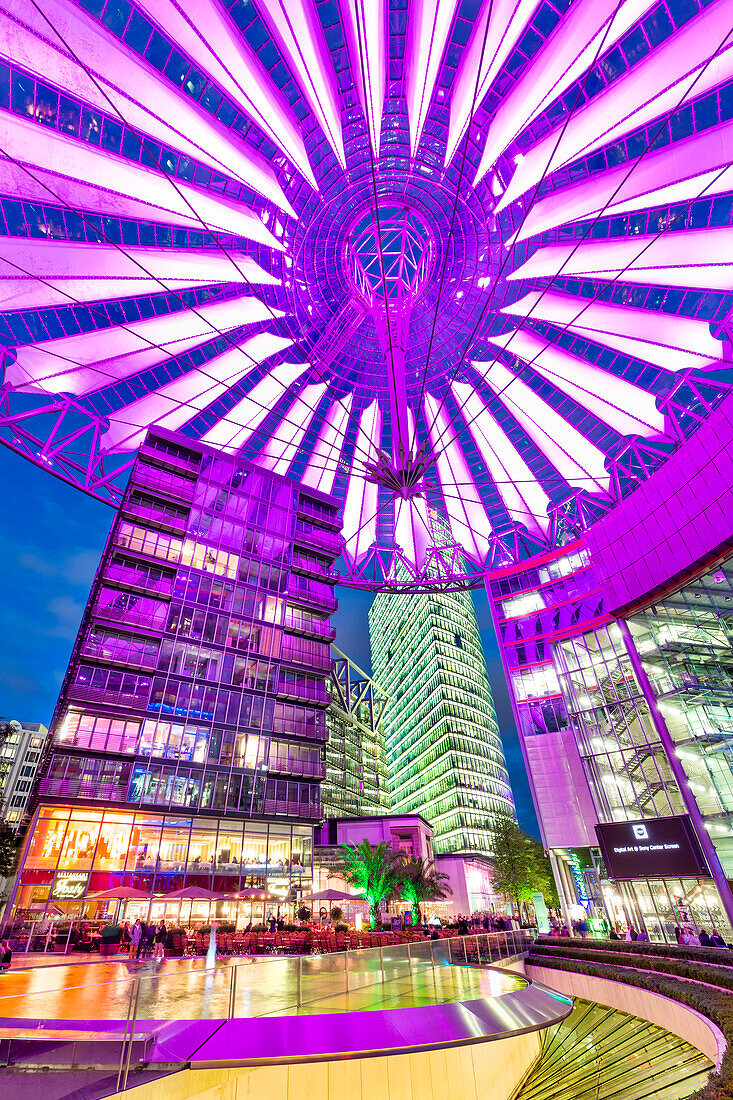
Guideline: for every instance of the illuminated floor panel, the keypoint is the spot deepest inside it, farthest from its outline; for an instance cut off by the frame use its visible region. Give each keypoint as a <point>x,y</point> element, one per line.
<point>601,1054</point>
<point>185,989</point>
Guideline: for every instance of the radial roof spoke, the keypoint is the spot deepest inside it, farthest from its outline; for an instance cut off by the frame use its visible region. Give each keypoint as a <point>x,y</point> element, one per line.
<point>574,457</point>
<point>234,429</point>
<point>589,28</point>
<point>627,408</point>
<point>282,447</point>
<point>323,463</point>
<point>466,513</point>
<point>35,274</point>
<point>643,93</point>
<point>429,26</point>
<point>675,343</point>
<point>128,91</point>
<point>366,36</point>
<point>525,499</point>
<point>174,404</point>
<point>223,53</point>
<point>80,364</point>
<point>79,176</point>
<point>696,258</point>
<point>298,31</point>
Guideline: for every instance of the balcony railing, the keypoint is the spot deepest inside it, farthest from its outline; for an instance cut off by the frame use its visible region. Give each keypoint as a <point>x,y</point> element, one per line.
<point>129,616</point>
<point>304,693</point>
<point>314,628</point>
<point>98,653</point>
<point>313,569</point>
<point>111,698</point>
<point>295,656</point>
<point>160,586</point>
<point>161,519</point>
<point>178,462</point>
<point>319,515</point>
<point>291,808</point>
<point>324,540</point>
<point>305,592</point>
<point>286,766</point>
<point>180,488</point>
<point>78,788</point>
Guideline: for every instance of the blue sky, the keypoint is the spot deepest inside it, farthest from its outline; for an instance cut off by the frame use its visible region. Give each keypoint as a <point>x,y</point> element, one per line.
<point>50,543</point>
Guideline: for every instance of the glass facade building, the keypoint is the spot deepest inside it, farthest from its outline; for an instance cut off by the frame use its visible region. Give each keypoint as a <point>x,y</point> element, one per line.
<point>21,752</point>
<point>356,782</point>
<point>444,752</point>
<point>187,744</point>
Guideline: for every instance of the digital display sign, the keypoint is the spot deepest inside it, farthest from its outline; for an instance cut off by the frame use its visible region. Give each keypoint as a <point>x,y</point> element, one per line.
<point>662,847</point>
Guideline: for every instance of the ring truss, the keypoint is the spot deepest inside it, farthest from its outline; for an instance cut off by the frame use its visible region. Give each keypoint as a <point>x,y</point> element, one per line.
<point>466,265</point>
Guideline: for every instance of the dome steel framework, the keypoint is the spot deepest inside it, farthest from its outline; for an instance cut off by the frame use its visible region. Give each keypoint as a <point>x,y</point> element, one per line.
<point>464,264</point>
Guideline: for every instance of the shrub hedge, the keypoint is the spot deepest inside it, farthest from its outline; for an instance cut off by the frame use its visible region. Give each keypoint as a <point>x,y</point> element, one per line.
<point>721,955</point>
<point>694,969</point>
<point>716,1004</point>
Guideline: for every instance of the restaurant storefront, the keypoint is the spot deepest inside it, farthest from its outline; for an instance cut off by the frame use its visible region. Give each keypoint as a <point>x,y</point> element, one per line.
<point>73,853</point>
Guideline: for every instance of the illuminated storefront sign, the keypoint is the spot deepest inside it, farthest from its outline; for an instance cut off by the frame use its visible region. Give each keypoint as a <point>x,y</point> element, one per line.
<point>663,847</point>
<point>69,885</point>
<point>576,870</point>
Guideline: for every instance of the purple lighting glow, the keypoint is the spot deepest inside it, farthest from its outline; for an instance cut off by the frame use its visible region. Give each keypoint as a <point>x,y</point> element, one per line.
<point>464,266</point>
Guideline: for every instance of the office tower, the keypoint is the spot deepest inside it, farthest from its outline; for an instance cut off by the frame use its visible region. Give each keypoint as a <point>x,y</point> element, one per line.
<point>21,750</point>
<point>188,737</point>
<point>444,752</point>
<point>356,782</point>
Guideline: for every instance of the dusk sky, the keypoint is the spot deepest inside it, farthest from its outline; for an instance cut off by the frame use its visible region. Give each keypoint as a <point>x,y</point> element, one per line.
<point>50,544</point>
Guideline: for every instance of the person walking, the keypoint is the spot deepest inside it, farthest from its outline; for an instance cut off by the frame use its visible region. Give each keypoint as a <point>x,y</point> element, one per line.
<point>147,942</point>
<point>6,956</point>
<point>135,937</point>
<point>161,935</point>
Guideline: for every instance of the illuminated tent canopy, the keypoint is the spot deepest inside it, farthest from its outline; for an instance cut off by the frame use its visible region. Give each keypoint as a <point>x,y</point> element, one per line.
<point>466,265</point>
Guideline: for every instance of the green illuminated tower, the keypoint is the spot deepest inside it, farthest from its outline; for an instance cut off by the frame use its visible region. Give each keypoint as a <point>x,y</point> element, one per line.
<point>444,752</point>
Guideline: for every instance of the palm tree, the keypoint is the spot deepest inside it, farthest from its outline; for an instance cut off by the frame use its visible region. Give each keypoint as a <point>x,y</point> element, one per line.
<point>421,882</point>
<point>375,871</point>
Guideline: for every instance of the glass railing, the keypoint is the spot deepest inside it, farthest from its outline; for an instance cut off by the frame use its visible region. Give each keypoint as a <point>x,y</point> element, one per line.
<point>62,1004</point>
<point>198,988</point>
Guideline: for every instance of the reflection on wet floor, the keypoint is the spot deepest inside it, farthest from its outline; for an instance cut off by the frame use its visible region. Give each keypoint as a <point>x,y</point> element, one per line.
<point>182,989</point>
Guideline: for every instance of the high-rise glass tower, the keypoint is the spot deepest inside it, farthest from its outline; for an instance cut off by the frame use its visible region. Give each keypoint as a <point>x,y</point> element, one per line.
<point>444,752</point>
<point>187,744</point>
<point>356,783</point>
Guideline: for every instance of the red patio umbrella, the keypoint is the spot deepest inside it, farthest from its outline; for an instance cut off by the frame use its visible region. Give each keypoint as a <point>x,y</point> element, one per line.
<point>333,895</point>
<point>126,893</point>
<point>194,893</point>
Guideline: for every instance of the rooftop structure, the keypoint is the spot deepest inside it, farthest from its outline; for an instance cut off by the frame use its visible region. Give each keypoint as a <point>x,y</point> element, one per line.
<point>356,780</point>
<point>420,256</point>
<point>444,751</point>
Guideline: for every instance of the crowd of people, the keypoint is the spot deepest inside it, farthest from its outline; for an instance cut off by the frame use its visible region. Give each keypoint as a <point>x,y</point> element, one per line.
<point>685,935</point>
<point>142,939</point>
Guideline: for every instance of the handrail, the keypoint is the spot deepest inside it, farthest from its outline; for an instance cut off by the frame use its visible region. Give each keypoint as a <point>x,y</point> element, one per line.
<point>403,959</point>
<point>512,942</point>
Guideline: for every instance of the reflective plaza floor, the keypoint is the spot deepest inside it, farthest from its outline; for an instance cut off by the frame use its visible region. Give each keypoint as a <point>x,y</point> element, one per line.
<point>184,989</point>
